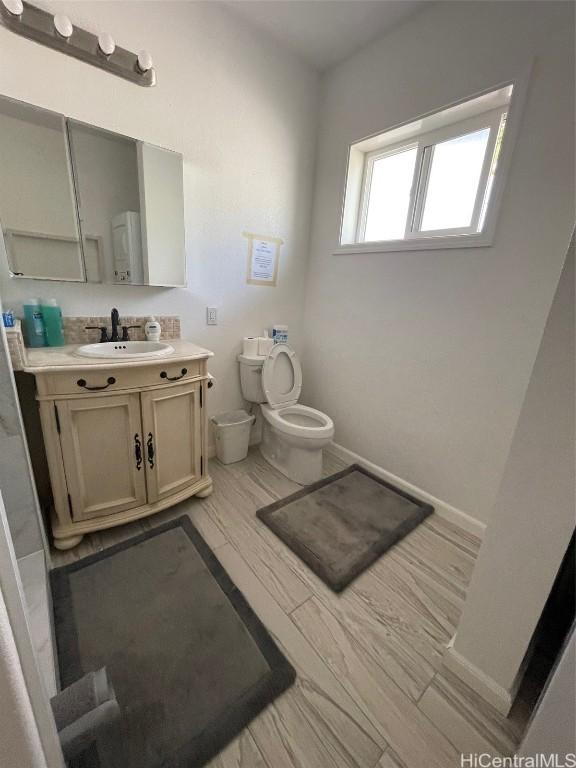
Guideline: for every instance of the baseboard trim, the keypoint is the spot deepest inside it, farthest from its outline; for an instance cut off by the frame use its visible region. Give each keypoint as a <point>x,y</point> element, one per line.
<point>448,512</point>
<point>500,698</point>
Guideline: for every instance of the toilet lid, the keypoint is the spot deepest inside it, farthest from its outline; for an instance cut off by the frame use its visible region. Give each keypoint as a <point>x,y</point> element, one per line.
<point>282,376</point>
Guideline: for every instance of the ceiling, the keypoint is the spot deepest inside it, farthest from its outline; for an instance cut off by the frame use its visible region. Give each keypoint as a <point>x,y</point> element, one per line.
<point>325,32</point>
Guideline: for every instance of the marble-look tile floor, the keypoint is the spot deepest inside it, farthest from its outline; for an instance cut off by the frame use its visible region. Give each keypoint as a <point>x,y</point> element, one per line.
<point>371,690</point>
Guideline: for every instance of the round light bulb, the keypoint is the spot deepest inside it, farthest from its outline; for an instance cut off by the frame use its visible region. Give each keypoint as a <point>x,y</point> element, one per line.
<point>106,44</point>
<point>15,7</point>
<point>63,25</point>
<point>145,62</point>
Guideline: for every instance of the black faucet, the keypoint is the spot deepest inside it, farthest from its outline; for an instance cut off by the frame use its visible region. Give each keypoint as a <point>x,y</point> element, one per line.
<point>115,317</point>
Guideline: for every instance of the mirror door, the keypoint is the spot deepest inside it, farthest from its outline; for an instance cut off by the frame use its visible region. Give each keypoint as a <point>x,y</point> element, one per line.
<point>37,206</point>
<point>108,198</point>
<point>131,209</point>
<point>80,203</point>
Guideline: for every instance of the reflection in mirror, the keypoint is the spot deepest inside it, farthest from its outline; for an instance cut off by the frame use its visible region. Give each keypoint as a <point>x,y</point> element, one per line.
<point>162,206</point>
<point>130,204</point>
<point>37,208</point>
<point>84,204</point>
<point>106,172</point>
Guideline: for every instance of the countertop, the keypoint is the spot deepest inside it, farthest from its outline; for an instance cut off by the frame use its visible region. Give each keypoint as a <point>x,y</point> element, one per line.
<point>61,359</point>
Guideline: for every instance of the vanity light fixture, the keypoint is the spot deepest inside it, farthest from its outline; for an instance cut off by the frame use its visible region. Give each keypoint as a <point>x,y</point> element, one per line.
<point>63,25</point>
<point>144,61</point>
<point>14,7</point>
<point>57,31</point>
<point>106,44</point>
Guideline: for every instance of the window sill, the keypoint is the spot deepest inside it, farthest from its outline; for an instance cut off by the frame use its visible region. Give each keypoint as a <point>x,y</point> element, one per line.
<point>421,244</point>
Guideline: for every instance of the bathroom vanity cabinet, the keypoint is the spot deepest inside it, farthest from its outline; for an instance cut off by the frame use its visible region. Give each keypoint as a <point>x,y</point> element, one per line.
<point>123,440</point>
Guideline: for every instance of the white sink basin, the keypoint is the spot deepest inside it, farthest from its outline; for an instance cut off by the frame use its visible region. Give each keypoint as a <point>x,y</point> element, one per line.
<point>126,350</point>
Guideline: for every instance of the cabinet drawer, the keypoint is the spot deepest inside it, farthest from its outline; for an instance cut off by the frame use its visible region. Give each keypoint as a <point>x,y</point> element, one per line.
<point>110,379</point>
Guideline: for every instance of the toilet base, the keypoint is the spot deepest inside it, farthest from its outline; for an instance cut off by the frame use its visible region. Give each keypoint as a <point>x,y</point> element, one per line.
<point>300,463</point>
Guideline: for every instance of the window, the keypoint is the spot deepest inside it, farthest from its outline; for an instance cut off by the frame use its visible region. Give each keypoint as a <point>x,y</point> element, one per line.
<point>452,191</point>
<point>430,181</point>
<point>388,194</point>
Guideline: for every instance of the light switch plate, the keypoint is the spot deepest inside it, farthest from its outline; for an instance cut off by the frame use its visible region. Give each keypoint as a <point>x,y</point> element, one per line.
<point>211,316</point>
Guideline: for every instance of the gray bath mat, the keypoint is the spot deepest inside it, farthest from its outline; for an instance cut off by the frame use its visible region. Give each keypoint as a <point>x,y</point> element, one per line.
<point>342,524</point>
<point>190,662</point>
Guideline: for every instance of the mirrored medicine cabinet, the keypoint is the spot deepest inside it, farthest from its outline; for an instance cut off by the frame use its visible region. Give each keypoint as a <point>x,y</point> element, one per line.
<point>82,204</point>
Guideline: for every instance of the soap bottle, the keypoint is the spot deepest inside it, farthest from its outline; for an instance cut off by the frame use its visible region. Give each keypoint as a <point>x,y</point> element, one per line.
<point>152,329</point>
<point>34,323</point>
<point>53,325</point>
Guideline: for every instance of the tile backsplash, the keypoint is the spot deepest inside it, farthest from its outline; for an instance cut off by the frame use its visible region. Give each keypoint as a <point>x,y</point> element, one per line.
<point>75,332</point>
<point>16,346</point>
<point>75,327</point>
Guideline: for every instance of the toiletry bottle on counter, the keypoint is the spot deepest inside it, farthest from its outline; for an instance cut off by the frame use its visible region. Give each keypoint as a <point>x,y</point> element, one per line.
<point>34,324</point>
<point>53,325</point>
<point>8,318</point>
<point>152,329</point>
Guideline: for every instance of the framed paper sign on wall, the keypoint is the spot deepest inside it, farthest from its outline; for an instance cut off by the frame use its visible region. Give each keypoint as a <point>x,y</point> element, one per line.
<point>263,258</point>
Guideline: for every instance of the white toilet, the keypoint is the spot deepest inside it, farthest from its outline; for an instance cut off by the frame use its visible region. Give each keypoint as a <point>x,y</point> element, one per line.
<point>293,435</point>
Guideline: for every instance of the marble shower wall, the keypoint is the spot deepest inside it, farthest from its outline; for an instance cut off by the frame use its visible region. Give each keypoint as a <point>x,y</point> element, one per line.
<point>15,474</point>
<point>21,504</point>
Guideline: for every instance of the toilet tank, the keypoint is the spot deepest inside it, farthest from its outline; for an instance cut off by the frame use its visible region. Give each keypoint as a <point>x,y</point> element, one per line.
<point>251,378</point>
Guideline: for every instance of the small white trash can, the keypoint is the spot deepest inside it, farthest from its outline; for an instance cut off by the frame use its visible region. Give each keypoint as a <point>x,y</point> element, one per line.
<point>232,435</point>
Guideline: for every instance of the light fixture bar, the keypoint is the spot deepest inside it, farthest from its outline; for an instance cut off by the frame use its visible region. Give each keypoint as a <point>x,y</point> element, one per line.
<point>39,25</point>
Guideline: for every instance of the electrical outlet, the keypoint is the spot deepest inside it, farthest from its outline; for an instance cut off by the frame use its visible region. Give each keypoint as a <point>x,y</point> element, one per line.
<point>211,316</point>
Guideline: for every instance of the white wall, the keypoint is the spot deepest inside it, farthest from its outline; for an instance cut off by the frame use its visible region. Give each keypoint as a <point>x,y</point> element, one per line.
<point>533,517</point>
<point>422,358</point>
<point>242,112</point>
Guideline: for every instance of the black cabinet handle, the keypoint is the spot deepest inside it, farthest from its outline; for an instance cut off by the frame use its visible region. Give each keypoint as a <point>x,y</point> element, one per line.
<point>138,451</point>
<point>150,450</point>
<point>164,375</point>
<point>82,383</point>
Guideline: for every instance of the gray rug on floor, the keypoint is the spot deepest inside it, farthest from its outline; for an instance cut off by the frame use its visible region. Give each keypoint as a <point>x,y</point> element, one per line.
<point>190,662</point>
<point>342,524</point>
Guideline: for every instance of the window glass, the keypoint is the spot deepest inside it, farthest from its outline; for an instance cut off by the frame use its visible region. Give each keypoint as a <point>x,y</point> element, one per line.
<point>389,195</point>
<point>455,171</point>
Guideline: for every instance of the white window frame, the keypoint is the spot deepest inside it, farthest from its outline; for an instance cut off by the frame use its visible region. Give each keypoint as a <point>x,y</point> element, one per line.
<point>425,145</point>
<point>356,193</point>
<point>370,159</point>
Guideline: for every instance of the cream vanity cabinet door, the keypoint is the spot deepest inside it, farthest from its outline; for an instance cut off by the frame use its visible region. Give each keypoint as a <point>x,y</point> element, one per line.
<point>103,454</point>
<point>171,421</point>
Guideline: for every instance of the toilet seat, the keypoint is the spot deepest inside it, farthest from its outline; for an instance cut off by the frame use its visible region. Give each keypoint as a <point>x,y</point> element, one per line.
<point>282,384</point>
<point>299,421</point>
<point>293,435</point>
<point>282,376</point>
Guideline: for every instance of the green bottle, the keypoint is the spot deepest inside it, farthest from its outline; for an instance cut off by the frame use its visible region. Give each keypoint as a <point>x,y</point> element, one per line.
<point>53,326</point>
<point>34,323</point>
